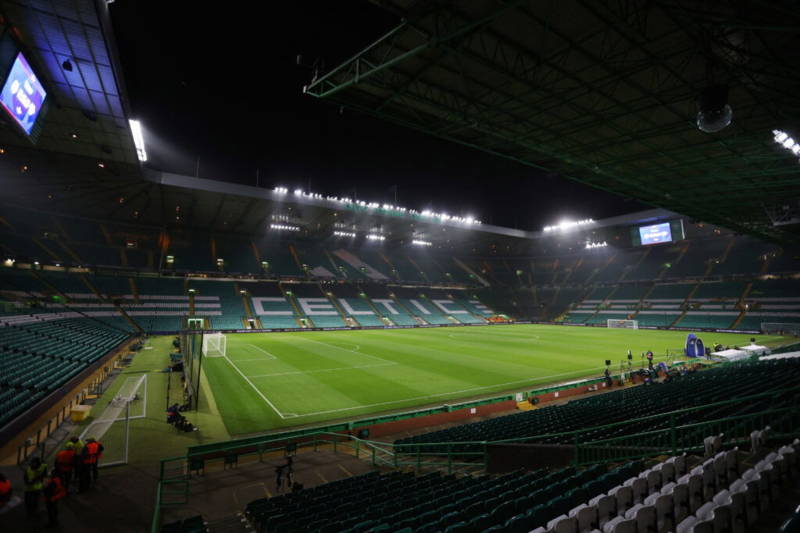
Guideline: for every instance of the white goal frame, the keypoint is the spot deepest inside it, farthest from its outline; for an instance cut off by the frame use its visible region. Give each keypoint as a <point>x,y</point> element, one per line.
<point>133,389</point>
<point>622,323</point>
<point>214,345</point>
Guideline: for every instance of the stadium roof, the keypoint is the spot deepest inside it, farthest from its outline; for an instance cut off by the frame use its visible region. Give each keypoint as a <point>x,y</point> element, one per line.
<point>77,186</point>
<point>88,112</point>
<point>603,92</point>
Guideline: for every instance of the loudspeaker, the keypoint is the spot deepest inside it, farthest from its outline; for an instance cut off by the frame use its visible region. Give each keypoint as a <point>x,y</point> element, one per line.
<point>608,362</point>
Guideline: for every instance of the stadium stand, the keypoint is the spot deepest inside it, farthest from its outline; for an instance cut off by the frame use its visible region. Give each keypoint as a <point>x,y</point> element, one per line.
<point>271,306</point>
<point>354,304</point>
<point>388,306</point>
<point>236,253</point>
<point>698,389</point>
<point>208,293</point>
<point>436,502</point>
<point>37,357</point>
<point>277,257</point>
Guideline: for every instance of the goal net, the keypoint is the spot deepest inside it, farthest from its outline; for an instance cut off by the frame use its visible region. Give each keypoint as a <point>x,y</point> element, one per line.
<point>780,328</point>
<point>626,324</point>
<point>112,428</point>
<point>214,344</point>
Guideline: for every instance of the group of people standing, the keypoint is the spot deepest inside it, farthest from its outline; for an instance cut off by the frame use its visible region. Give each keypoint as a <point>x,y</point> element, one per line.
<point>76,463</point>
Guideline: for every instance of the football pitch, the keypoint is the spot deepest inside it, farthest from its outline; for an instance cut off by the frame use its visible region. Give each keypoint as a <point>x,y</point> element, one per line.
<point>277,380</point>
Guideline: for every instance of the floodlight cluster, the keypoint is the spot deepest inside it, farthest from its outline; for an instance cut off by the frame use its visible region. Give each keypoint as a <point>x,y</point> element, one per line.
<point>468,220</point>
<point>374,237</point>
<point>344,233</point>
<point>568,224</point>
<point>782,138</point>
<point>421,243</point>
<point>590,245</point>
<point>284,227</point>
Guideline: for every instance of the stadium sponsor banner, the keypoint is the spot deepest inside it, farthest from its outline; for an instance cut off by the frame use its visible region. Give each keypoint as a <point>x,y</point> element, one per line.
<point>291,330</point>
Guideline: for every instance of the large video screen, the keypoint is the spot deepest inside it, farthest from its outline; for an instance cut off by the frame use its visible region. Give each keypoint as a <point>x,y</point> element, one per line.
<point>655,234</point>
<point>23,95</point>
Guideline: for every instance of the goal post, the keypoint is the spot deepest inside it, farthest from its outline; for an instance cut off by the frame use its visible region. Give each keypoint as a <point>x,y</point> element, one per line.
<point>214,344</point>
<point>113,427</point>
<point>622,323</point>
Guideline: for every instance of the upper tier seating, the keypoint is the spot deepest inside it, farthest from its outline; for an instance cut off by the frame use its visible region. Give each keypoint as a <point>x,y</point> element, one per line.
<point>695,260</point>
<point>747,256</point>
<point>278,257</point>
<point>701,388</point>
<point>318,264</point>
<point>656,261</point>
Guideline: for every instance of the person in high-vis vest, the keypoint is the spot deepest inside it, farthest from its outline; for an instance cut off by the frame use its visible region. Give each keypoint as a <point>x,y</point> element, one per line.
<point>65,465</point>
<point>54,490</point>
<point>5,491</point>
<point>34,483</point>
<point>92,452</point>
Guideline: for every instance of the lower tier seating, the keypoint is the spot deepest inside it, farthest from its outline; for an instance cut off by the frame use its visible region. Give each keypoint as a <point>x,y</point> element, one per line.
<point>38,358</point>
<point>681,494</point>
<point>696,389</point>
<point>397,501</point>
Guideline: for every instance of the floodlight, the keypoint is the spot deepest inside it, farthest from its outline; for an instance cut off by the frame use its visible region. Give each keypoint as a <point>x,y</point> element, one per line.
<point>138,139</point>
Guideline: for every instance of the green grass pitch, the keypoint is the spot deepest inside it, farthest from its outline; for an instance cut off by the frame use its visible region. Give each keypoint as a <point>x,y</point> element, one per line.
<point>277,380</point>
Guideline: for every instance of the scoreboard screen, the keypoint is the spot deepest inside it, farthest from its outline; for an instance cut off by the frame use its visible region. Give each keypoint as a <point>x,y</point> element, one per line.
<point>23,95</point>
<point>655,234</point>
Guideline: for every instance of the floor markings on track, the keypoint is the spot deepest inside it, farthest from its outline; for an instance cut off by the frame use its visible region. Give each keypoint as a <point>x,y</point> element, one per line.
<point>319,474</point>
<point>439,395</point>
<point>346,471</point>
<point>321,370</point>
<point>277,411</point>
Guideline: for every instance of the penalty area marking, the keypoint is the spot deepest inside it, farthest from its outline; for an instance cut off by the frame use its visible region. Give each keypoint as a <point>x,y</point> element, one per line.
<point>258,391</point>
<point>528,380</point>
<point>262,351</point>
<point>322,370</point>
<point>345,349</point>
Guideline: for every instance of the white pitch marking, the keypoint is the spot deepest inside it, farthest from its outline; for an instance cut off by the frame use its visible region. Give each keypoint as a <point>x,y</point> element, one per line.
<point>322,370</point>
<point>262,351</point>
<point>447,393</point>
<point>255,388</point>
<point>345,349</point>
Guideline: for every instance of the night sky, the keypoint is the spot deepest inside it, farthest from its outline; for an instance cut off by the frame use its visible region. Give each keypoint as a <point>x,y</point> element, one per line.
<point>225,86</point>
